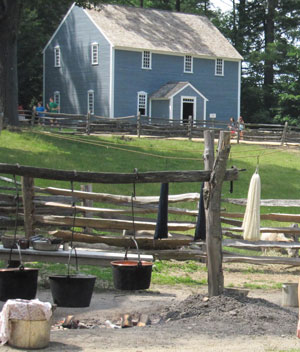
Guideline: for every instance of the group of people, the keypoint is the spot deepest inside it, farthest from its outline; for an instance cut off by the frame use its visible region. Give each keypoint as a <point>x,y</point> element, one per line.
<point>238,126</point>
<point>52,107</point>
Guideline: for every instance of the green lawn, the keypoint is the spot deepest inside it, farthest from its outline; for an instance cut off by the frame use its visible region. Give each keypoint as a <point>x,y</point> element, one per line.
<point>279,169</point>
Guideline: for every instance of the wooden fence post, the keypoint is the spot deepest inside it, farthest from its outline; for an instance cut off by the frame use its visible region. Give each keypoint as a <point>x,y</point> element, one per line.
<point>28,205</point>
<point>138,124</point>
<point>190,126</point>
<point>1,121</point>
<point>87,203</point>
<point>212,202</point>
<point>284,132</point>
<point>32,117</point>
<point>88,123</point>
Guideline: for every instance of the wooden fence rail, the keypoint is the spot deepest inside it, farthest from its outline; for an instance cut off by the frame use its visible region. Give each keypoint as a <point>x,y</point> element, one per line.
<point>144,125</point>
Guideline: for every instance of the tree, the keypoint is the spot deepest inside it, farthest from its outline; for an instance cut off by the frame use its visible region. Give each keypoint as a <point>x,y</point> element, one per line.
<point>10,14</point>
<point>9,20</point>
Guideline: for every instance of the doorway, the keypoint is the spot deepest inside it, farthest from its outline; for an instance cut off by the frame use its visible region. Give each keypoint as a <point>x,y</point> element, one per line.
<point>187,109</point>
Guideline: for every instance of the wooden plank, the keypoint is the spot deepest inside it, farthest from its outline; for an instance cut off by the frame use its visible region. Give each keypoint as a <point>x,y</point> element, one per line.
<point>229,258</point>
<point>113,178</point>
<point>272,216</point>
<point>125,242</point>
<point>141,208</point>
<point>260,244</point>
<point>266,202</point>
<point>120,199</point>
<point>87,257</point>
<point>108,223</point>
<point>285,230</point>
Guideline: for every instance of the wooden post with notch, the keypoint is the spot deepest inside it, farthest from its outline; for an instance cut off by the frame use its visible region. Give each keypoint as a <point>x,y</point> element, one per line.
<point>28,205</point>
<point>212,201</point>
<point>190,126</point>
<point>284,132</point>
<point>138,124</point>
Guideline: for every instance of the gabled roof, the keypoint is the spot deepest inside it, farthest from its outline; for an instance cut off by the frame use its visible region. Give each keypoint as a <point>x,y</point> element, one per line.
<point>162,31</point>
<point>170,89</point>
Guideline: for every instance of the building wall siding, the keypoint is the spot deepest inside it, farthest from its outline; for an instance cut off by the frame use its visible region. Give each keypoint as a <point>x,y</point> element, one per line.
<point>222,92</point>
<point>77,75</point>
<point>160,109</point>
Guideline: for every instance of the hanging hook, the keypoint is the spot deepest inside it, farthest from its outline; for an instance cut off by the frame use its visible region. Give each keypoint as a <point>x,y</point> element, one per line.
<point>257,163</point>
<point>73,225</point>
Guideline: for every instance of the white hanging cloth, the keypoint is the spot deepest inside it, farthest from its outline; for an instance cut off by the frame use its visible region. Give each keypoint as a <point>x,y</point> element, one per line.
<point>251,222</point>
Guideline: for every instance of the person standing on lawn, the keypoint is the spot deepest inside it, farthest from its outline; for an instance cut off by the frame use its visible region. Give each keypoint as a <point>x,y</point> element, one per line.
<point>52,107</point>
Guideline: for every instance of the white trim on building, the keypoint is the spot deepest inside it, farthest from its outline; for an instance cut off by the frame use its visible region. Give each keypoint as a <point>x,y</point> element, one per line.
<point>95,53</point>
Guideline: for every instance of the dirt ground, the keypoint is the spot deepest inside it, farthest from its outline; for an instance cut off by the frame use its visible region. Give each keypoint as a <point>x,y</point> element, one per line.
<point>183,319</point>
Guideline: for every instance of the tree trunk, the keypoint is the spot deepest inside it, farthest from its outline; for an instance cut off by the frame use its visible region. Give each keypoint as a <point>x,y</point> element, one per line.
<point>9,20</point>
<point>212,201</point>
<point>269,61</point>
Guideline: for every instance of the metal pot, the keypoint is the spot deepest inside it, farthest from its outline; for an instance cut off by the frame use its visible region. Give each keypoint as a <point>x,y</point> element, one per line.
<point>46,245</point>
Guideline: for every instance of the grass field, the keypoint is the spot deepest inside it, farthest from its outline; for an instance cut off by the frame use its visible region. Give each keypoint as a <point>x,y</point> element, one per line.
<point>279,168</point>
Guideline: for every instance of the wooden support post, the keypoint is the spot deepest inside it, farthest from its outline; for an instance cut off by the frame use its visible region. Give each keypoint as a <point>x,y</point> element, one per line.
<point>1,121</point>
<point>28,205</point>
<point>238,133</point>
<point>32,117</point>
<point>190,126</point>
<point>87,203</point>
<point>212,201</point>
<point>284,132</point>
<point>138,125</point>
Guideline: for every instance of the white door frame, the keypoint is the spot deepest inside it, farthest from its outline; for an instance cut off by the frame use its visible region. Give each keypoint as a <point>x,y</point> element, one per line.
<point>194,101</point>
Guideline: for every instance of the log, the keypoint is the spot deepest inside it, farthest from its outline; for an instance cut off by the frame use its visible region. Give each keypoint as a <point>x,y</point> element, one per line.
<point>212,201</point>
<point>124,242</point>
<point>272,216</point>
<point>108,223</point>
<point>113,178</point>
<point>266,202</point>
<point>229,258</point>
<point>117,199</point>
<point>285,230</point>
<point>140,208</point>
<point>260,244</point>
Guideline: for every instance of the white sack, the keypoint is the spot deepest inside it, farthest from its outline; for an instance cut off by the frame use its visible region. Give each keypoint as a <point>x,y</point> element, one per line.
<point>251,222</point>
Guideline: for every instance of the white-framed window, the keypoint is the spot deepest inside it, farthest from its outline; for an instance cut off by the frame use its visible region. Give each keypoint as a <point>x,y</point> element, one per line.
<point>146,60</point>
<point>57,56</point>
<point>219,67</point>
<point>142,103</point>
<point>95,53</point>
<point>56,99</point>
<point>188,64</point>
<point>91,102</point>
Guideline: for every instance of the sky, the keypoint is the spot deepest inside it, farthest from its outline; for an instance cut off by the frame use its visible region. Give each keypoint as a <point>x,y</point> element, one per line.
<point>224,5</point>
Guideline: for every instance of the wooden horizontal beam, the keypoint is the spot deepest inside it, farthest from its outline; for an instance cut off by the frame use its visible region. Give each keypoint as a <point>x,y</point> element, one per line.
<point>125,242</point>
<point>266,202</point>
<point>260,244</point>
<point>272,216</point>
<point>229,258</point>
<point>147,209</point>
<point>285,230</point>
<point>120,199</point>
<point>108,223</point>
<point>113,178</point>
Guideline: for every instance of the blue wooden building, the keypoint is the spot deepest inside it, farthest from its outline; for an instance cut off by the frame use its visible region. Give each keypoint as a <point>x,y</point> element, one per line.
<point>115,61</point>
